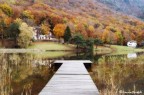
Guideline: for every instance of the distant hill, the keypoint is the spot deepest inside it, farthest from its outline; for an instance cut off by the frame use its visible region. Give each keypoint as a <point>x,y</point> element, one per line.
<point>130,7</point>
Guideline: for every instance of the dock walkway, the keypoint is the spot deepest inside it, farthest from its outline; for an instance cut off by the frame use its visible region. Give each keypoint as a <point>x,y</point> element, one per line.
<point>72,78</point>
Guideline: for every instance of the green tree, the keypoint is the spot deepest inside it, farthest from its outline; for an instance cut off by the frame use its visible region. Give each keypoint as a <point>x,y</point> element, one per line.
<point>78,40</point>
<point>13,30</point>
<point>97,42</point>
<point>89,44</point>
<point>67,34</point>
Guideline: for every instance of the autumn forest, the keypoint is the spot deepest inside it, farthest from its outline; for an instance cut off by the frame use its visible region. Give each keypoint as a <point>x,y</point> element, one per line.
<point>82,17</point>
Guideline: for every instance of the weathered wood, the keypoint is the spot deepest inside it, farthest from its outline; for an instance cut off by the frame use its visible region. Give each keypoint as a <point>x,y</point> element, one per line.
<point>72,78</point>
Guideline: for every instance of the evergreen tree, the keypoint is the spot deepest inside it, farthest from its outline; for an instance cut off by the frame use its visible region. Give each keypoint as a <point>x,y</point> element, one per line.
<point>13,30</point>
<point>67,34</point>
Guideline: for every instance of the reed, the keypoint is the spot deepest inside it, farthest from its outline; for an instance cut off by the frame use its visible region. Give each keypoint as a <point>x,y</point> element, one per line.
<point>117,75</point>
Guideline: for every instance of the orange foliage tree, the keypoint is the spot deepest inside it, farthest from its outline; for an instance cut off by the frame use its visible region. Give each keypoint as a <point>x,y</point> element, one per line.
<point>108,36</point>
<point>59,30</point>
<point>17,11</point>
<point>80,28</point>
<point>90,31</point>
<point>140,37</point>
<point>7,21</point>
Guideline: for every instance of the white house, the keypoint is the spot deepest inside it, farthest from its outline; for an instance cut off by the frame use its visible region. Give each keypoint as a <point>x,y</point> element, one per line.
<point>37,35</point>
<point>132,44</point>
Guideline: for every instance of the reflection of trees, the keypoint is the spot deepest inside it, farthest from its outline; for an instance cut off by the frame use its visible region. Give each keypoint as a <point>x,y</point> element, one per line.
<point>21,66</point>
<point>118,75</point>
<point>5,78</point>
<point>87,55</point>
<point>19,74</point>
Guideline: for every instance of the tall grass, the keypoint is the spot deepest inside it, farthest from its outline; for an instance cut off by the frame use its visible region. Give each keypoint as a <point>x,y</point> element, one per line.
<point>21,73</point>
<point>118,74</point>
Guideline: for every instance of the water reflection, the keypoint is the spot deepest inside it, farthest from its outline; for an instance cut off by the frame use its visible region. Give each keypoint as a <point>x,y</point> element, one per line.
<point>27,74</point>
<point>22,75</point>
<point>131,55</point>
<point>119,75</point>
<point>116,74</point>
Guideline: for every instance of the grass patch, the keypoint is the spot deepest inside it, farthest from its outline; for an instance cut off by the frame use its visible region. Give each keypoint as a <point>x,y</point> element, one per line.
<point>51,46</point>
<point>102,50</point>
<point>55,54</point>
<point>124,49</point>
<point>116,49</point>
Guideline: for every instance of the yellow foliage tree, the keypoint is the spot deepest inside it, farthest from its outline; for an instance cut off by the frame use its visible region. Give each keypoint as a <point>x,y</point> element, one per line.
<point>25,36</point>
<point>106,36</point>
<point>6,9</point>
<point>18,21</point>
<point>45,29</point>
<point>27,14</point>
<point>59,30</point>
<point>91,28</point>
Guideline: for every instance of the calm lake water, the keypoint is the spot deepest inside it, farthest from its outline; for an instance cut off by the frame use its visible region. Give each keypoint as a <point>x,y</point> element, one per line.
<point>27,74</point>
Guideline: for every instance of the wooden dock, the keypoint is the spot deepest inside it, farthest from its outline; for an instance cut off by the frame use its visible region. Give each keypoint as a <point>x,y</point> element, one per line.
<point>72,78</point>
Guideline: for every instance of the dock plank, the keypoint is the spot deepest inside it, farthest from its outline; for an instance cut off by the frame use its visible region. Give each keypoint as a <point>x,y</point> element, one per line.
<point>72,68</point>
<point>72,78</point>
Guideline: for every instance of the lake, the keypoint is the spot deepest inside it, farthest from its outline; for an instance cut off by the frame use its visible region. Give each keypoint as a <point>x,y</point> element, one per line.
<point>28,73</point>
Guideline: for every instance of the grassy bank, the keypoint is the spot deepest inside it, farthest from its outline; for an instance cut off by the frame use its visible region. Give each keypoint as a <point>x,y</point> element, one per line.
<point>124,49</point>
<point>51,46</point>
<point>118,74</point>
<point>117,49</point>
<point>102,50</point>
<point>44,49</point>
<point>54,49</point>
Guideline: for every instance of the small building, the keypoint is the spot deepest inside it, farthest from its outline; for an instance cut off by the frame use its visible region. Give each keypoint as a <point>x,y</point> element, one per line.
<point>132,44</point>
<point>38,36</point>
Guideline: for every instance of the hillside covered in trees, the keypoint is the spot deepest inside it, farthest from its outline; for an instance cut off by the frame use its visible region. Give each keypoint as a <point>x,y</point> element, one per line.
<point>85,17</point>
